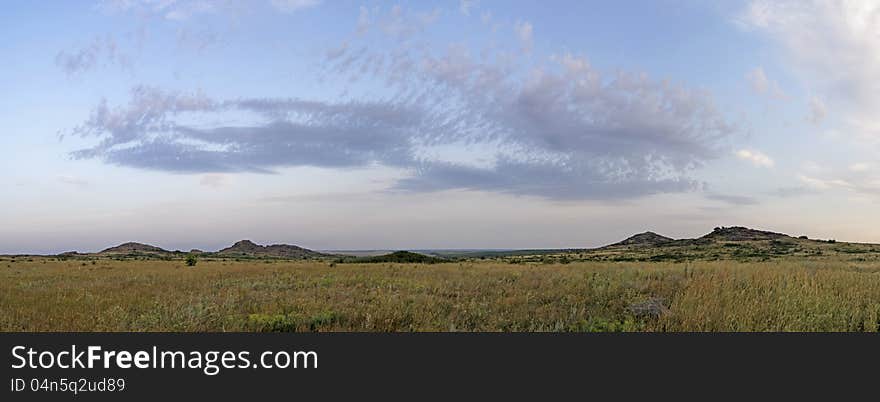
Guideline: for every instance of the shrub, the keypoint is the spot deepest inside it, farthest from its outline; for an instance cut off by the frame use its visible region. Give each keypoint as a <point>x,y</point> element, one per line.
<point>191,260</point>
<point>273,322</point>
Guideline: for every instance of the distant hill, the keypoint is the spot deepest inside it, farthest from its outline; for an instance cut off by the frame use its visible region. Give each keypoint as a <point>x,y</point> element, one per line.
<point>247,248</point>
<point>723,243</point>
<point>739,233</point>
<point>719,234</point>
<point>244,248</point>
<point>643,239</point>
<point>133,248</point>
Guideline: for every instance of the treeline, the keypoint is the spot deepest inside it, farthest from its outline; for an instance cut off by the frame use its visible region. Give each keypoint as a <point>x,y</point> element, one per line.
<point>404,257</point>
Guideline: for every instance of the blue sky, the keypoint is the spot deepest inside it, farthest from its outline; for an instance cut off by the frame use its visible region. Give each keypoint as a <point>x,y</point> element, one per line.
<point>444,124</point>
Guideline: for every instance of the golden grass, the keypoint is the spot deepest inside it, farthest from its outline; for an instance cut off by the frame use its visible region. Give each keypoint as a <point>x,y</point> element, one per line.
<point>803,295</point>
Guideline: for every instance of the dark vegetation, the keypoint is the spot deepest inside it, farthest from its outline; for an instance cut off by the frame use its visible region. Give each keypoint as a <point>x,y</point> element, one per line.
<point>399,257</point>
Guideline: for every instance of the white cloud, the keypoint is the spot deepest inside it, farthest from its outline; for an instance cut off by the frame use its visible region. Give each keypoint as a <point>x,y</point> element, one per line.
<point>814,183</point>
<point>103,50</point>
<point>813,167</point>
<point>860,167</point>
<point>182,10</point>
<point>755,157</point>
<point>836,46</point>
<point>73,181</point>
<point>465,6</point>
<point>187,9</point>
<point>525,33</point>
<point>858,177</point>
<point>289,6</point>
<point>732,199</point>
<point>398,22</point>
<point>818,111</point>
<point>858,181</point>
<point>824,184</point>
<point>763,85</point>
<point>214,180</point>
<point>177,10</point>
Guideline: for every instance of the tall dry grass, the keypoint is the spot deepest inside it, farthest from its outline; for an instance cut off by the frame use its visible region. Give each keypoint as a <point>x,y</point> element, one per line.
<point>44,295</point>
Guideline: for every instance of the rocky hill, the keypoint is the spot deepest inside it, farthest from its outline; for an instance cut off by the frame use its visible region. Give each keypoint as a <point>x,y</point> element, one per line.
<point>739,233</point>
<point>719,234</point>
<point>646,239</point>
<point>133,248</point>
<point>247,248</point>
<point>724,243</point>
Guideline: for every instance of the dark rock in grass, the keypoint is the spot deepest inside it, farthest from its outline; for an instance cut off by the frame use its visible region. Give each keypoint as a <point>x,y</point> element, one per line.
<point>651,308</point>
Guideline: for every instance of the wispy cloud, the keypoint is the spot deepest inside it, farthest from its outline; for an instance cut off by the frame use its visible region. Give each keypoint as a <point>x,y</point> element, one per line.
<point>762,85</point>
<point>524,32</point>
<point>290,6</point>
<point>794,191</point>
<point>862,179</point>
<point>834,45</point>
<point>465,6</point>
<point>183,10</point>
<point>756,158</point>
<point>214,180</point>
<point>102,51</point>
<point>398,22</point>
<point>732,199</point>
<point>177,10</point>
<point>818,111</point>
<point>860,167</point>
<point>73,181</point>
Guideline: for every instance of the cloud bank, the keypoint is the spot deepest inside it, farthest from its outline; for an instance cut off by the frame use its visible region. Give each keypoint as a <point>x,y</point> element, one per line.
<point>557,128</point>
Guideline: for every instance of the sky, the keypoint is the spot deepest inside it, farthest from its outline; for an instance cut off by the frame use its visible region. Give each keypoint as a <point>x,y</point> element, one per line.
<point>437,124</point>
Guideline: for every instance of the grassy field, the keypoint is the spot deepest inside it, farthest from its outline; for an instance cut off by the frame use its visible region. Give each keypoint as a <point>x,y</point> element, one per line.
<point>831,293</point>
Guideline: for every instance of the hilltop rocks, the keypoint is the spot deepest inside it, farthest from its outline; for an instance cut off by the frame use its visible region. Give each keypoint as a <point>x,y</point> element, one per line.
<point>133,248</point>
<point>644,239</point>
<point>242,247</point>
<point>720,234</point>
<point>250,249</point>
<point>739,233</point>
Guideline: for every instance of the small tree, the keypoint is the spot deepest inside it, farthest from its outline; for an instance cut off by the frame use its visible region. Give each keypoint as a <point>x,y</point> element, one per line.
<point>191,260</point>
